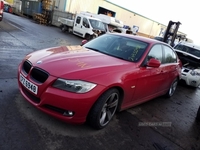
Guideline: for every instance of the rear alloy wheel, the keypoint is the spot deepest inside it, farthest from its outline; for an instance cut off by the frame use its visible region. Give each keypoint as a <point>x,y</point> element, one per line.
<point>172,88</point>
<point>104,109</point>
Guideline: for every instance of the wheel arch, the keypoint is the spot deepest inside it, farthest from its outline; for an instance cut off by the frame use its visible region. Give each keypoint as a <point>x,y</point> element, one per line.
<point>121,97</point>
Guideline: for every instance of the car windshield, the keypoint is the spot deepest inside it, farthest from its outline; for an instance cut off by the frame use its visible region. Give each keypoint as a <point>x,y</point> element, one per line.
<point>118,46</point>
<point>188,49</point>
<point>96,24</point>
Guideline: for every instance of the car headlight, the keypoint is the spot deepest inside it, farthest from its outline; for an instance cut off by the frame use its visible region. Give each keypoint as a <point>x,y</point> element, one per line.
<point>76,86</point>
<point>194,73</point>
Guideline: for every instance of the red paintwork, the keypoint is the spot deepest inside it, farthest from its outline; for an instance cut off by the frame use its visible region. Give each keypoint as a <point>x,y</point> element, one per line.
<point>105,71</point>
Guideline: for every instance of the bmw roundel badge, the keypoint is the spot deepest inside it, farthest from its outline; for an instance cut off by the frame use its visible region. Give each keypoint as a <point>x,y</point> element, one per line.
<point>39,62</point>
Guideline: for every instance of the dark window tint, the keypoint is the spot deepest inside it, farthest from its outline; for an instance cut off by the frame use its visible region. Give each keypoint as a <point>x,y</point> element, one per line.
<point>78,20</point>
<point>85,23</point>
<point>118,46</point>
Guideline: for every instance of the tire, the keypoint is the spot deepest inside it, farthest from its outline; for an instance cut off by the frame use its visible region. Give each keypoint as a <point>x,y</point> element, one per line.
<point>87,37</point>
<point>104,109</point>
<point>172,88</point>
<point>198,114</point>
<point>63,28</point>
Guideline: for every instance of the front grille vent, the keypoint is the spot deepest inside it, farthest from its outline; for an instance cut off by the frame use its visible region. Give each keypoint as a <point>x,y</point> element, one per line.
<point>56,109</point>
<point>27,66</point>
<point>39,75</point>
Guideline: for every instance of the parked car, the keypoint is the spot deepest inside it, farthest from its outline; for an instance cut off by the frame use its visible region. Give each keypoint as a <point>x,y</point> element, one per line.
<point>123,30</point>
<point>189,54</point>
<point>1,9</point>
<point>159,38</point>
<point>90,83</point>
<point>7,7</point>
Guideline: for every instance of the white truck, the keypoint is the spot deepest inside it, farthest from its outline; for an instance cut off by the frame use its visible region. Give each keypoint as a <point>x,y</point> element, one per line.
<point>83,25</point>
<point>109,22</point>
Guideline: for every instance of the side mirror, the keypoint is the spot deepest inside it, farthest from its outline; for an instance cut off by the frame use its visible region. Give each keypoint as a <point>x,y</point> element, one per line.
<point>83,42</point>
<point>153,63</point>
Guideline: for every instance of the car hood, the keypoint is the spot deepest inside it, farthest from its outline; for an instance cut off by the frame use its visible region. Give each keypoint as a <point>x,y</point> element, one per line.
<point>187,58</point>
<point>76,62</point>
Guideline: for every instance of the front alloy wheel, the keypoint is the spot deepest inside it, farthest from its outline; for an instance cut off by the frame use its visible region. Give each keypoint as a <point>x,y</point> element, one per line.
<point>104,109</point>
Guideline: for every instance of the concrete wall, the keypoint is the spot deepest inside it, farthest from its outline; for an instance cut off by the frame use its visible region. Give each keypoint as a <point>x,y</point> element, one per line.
<point>147,27</point>
<point>61,4</point>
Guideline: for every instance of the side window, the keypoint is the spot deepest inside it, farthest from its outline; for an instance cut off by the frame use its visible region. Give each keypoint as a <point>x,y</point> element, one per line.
<point>170,56</point>
<point>78,20</point>
<point>155,52</point>
<point>85,23</point>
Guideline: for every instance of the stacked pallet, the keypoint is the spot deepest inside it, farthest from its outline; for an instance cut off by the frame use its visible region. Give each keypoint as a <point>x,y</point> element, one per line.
<point>45,16</point>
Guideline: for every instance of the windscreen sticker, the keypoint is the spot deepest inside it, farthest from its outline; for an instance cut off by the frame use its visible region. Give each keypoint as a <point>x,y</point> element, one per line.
<point>134,53</point>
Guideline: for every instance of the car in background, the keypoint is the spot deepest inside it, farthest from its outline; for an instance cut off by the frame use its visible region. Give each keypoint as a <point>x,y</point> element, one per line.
<point>189,54</point>
<point>7,7</point>
<point>110,73</point>
<point>123,30</point>
<point>1,9</point>
<point>159,38</point>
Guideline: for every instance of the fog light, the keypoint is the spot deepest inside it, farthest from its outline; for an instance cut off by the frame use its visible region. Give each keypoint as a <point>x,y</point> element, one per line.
<point>68,113</point>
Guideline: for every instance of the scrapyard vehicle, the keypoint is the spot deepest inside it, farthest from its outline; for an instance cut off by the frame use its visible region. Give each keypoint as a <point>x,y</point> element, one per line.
<point>189,54</point>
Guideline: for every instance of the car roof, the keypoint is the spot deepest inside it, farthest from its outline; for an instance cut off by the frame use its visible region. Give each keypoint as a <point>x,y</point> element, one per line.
<point>141,38</point>
<point>192,45</point>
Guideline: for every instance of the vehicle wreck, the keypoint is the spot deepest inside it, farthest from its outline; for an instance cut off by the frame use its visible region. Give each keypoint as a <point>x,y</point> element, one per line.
<point>189,54</point>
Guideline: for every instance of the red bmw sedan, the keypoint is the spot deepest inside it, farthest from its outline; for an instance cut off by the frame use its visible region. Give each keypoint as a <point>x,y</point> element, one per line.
<point>91,82</point>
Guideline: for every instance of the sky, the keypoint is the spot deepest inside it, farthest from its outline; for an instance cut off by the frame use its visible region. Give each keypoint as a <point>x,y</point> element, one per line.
<point>163,11</point>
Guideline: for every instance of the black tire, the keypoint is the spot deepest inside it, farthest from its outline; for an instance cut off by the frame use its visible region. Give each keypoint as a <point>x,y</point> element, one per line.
<point>104,109</point>
<point>63,28</point>
<point>198,114</point>
<point>172,88</point>
<point>88,37</point>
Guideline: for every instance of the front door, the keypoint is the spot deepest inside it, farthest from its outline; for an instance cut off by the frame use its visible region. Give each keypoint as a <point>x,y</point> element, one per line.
<point>78,26</point>
<point>150,81</point>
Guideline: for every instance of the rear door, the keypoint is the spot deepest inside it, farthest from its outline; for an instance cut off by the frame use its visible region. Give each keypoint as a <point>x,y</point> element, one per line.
<point>170,66</point>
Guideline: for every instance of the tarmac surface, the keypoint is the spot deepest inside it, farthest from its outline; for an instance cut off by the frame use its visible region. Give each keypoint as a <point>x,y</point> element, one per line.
<point>160,124</point>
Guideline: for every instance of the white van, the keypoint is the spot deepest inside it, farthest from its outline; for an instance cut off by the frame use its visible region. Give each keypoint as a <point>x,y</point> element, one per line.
<point>83,26</point>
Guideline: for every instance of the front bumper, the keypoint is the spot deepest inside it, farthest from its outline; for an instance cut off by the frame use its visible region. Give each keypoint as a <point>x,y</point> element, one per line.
<point>66,106</point>
<point>190,79</point>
